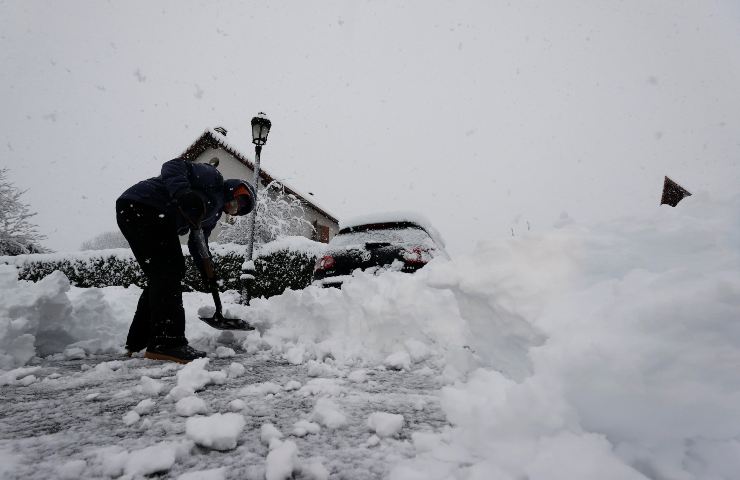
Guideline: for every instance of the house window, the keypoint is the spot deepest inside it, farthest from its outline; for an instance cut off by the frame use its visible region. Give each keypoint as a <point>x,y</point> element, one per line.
<point>323,233</point>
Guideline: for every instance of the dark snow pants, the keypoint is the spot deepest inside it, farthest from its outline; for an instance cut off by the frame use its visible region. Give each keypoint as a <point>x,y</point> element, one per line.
<point>160,318</point>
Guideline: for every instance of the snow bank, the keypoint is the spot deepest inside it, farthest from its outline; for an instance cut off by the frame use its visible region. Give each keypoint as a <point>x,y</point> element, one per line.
<point>85,255</point>
<point>363,323</point>
<point>49,316</point>
<point>120,253</point>
<point>638,376</point>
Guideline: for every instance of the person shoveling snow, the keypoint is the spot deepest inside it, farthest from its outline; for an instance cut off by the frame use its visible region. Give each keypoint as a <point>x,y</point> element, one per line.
<point>186,197</point>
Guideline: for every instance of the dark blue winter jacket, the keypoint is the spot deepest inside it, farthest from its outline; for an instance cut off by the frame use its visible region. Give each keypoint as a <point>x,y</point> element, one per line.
<point>177,177</point>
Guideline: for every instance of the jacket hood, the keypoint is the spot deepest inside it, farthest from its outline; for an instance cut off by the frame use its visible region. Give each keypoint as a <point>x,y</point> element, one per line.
<point>231,185</point>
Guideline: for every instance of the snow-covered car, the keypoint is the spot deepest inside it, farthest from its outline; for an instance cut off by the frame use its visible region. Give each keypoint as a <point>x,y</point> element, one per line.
<point>390,241</point>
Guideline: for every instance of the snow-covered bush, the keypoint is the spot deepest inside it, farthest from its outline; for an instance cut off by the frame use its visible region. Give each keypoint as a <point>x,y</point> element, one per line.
<point>279,214</point>
<point>100,268</point>
<point>17,234</point>
<point>287,263</point>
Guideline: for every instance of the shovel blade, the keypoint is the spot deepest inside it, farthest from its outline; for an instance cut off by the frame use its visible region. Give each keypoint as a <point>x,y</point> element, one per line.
<point>219,322</point>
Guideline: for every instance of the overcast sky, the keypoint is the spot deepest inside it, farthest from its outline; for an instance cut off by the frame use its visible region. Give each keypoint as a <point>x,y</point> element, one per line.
<point>483,115</point>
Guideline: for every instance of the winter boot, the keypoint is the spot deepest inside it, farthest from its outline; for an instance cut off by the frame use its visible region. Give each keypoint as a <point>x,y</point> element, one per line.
<point>180,354</point>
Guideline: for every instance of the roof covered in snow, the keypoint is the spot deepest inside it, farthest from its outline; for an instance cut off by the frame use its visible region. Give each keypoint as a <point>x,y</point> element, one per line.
<point>214,139</point>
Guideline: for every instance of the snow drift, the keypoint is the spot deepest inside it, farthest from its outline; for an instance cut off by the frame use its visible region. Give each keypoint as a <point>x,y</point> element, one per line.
<point>47,317</point>
<point>638,375</point>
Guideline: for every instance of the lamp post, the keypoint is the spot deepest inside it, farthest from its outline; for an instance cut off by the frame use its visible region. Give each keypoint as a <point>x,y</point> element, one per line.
<point>260,129</point>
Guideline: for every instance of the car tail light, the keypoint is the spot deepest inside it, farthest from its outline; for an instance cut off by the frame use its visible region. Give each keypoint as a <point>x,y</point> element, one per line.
<point>416,256</point>
<point>325,263</point>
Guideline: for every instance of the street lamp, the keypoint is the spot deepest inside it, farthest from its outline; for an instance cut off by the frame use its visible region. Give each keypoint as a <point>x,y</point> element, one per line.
<point>260,129</point>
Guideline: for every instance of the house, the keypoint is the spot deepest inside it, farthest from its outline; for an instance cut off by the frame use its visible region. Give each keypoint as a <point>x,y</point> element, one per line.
<point>212,144</point>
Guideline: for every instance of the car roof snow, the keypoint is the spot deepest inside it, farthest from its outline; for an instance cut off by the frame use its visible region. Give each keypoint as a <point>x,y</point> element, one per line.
<point>414,218</point>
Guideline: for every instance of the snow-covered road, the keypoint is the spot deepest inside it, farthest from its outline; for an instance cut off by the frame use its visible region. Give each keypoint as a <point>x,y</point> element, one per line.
<point>75,411</point>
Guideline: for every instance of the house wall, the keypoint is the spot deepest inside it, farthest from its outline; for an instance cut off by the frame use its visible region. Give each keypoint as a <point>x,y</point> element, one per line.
<point>230,167</point>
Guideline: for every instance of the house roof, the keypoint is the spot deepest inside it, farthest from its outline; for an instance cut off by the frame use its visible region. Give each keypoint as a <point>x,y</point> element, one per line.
<point>213,139</point>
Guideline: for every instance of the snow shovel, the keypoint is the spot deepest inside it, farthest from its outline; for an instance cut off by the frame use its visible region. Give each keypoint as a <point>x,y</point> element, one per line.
<point>217,321</point>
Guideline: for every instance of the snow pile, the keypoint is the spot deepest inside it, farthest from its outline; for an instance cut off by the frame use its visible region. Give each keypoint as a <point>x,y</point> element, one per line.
<point>235,370</point>
<point>150,460</point>
<point>328,414</point>
<point>18,376</point>
<point>150,386</point>
<point>43,318</point>
<point>638,376</point>
<point>194,377</point>
<point>130,418</point>
<point>72,470</point>
<point>385,424</point>
<point>224,352</point>
<point>261,389</point>
<point>189,406</point>
<point>292,244</point>
<point>211,474</point>
<point>145,406</point>
<point>282,461</point>
<point>398,361</point>
<point>301,428</point>
<point>114,461</point>
<point>218,431</point>
<point>237,405</point>
<point>321,386</point>
<point>268,433</point>
<point>365,322</point>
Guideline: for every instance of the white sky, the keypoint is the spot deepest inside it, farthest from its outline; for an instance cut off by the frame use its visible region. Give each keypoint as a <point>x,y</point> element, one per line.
<point>482,115</point>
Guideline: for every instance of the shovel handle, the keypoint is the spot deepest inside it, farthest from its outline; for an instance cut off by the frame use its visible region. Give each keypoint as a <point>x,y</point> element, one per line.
<point>216,297</point>
<point>205,256</point>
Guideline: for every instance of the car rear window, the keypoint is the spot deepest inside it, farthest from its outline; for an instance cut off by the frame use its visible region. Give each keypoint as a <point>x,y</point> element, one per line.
<point>396,235</point>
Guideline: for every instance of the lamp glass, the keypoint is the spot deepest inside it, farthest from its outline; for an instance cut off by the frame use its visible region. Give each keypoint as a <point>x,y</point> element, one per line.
<point>260,130</point>
<point>257,136</point>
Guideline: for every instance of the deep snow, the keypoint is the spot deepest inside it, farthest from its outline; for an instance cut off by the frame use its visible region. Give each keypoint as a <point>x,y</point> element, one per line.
<point>590,351</point>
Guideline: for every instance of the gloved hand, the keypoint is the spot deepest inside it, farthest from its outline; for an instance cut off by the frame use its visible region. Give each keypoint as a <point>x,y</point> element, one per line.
<point>192,207</point>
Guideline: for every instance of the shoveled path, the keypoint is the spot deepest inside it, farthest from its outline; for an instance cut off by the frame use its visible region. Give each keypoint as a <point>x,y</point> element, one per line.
<point>76,407</point>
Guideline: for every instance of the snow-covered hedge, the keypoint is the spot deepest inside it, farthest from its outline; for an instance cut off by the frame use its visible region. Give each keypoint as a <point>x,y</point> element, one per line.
<point>93,268</point>
<point>285,263</point>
